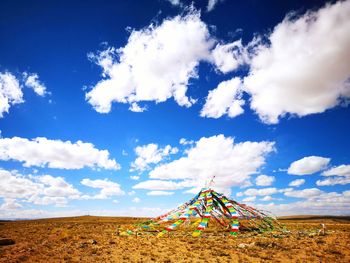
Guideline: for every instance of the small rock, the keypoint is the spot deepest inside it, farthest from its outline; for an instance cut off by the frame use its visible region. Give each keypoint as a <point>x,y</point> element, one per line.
<point>6,241</point>
<point>94,242</point>
<point>312,234</point>
<point>242,245</point>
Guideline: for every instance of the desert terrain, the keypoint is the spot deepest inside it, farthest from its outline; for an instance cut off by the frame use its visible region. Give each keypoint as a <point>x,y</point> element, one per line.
<point>96,239</point>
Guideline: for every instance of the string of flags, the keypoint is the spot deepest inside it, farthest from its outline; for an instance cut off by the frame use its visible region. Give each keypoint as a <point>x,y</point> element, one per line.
<point>208,207</point>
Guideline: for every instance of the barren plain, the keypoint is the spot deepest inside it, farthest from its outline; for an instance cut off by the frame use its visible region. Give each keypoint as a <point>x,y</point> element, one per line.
<point>95,239</point>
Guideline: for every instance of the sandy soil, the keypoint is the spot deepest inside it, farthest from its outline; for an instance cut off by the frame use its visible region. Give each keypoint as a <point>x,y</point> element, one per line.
<point>94,239</point>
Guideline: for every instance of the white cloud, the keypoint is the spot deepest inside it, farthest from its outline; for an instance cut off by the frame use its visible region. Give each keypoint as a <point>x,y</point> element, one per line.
<point>249,199</point>
<point>136,200</point>
<point>57,186</point>
<point>150,154</point>
<point>305,193</point>
<point>225,99</point>
<point>219,156</point>
<point>156,64</point>
<point>14,185</point>
<point>136,108</point>
<point>212,3</point>
<point>32,81</point>
<point>40,190</point>
<point>158,185</point>
<point>334,181</point>
<point>115,201</point>
<point>55,153</point>
<point>175,2</point>
<point>134,177</point>
<point>304,68</point>
<point>228,57</point>
<point>267,198</point>
<point>10,92</point>
<point>341,175</point>
<point>10,204</point>
<point>323,204</point>
<point>157,193</point>
<point>341,170</point>
<point>297,182</point>
<point>261,192</point>
<point>308,165</point>
<point>108,188</point>
<point>183,141</point>
<point>264,180</point>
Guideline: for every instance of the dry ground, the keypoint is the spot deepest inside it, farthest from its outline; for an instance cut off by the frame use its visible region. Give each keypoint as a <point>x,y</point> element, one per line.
<point>94,239</point>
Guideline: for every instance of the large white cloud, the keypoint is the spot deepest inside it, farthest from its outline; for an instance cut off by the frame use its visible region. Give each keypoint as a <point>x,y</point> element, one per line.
<point>308,165</point>
<point>228,57</point>
<point>55,153</point>
<point>159,185</point>
<point>341,170</point>
<point>304,67</point>
<point>150,154</point>
<point>155,65</point>
<point>108,188</point>
<point>157,193</point>
<point>231,163</point>
<point>336,175</point>
<point>322,204</point>
<point>39,190</point>
<point>225,99</point>
<point>305,193</point>
<point>264,180</point>
<point>10,92</point>
<point>333,181</point>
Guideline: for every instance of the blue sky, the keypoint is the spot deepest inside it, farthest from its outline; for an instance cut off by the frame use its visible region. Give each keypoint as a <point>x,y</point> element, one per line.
<point>130,107</point>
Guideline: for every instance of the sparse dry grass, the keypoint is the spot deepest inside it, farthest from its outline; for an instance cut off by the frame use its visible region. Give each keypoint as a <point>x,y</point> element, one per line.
<point>94,239</point>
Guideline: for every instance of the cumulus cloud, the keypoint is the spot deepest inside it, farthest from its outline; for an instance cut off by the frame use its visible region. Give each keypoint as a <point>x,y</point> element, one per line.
<point>305,193</point>
<point>323,204</point>
<point>108,188</point>
<point>249,199</point>
<point>333,181</point>
<point>55,153</point>
<point>231,163</point>
<point>150,154</point>
<point>261,192</point>
<point>336,175</point>
<point>225,99</point>
<point>304,74</point>
<point>308,165</point>
<point>228,57</point>
<point>10,204</point>
<point>10,92</point>
<point>32,81</point>
<point>341,170</point>
<point>264,180</point>
<point>155,65</point>
<point>159,185</point>
<point>39,190</point>
<point>297,182</point>
<point>157,193</point>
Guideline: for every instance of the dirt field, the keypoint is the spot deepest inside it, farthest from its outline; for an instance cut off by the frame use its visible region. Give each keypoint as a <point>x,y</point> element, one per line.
<point>94,239</point>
